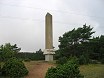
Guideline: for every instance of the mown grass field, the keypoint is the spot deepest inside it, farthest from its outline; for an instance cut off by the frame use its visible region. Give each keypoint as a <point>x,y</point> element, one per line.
<point>92,71</point>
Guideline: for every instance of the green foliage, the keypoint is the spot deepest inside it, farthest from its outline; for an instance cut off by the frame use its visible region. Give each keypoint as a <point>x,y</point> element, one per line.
<point>31,56</point>
<point>67,70</point>
<point>83,60</point>
<point>71,42</point>
<point>62,60</point>
<point>7,51</point>
<point>80,42</point>
<point>74,60</point>
<point>14,68</point>
<point>97,46</point>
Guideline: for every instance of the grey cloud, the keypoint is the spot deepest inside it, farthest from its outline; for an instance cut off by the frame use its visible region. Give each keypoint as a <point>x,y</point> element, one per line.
<point>22,21</point>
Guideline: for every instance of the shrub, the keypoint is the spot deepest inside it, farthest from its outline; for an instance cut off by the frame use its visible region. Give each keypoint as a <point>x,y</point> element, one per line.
<point>14,68</point>
<point>61,60</point>
<point>67,70</point>
<point>74,60</point>
<point>83,60</point>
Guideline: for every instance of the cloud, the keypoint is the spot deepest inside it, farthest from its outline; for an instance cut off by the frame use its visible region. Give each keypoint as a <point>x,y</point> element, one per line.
<point>22,21</point>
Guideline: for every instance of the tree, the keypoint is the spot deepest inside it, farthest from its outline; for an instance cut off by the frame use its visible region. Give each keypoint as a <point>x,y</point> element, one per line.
<point>8,51</point>
<point>97,46</point>
<point>74,42</point>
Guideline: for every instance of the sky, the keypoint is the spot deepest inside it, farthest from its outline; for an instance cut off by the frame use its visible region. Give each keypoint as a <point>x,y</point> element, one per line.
<point>22,22</point>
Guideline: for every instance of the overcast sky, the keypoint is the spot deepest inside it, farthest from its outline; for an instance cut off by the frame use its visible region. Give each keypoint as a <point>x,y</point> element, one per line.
<point>22,21</point>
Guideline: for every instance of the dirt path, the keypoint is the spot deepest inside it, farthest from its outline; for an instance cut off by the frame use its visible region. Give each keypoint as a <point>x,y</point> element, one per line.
<point>37,69</point>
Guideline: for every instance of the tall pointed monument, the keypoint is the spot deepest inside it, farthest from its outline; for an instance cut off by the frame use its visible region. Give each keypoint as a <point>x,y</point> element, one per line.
<point>49,50</point>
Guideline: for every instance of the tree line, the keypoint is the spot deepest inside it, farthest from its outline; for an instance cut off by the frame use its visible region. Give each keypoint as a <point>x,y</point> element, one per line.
<point>80,43</point>
<point>8,51</point>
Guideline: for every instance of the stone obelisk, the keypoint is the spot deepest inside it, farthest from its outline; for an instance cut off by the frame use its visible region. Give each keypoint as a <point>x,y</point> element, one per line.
<point>49,51</point>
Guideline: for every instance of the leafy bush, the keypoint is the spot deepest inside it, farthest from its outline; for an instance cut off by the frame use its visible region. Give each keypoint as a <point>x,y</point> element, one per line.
<point>14,68</point>
<point>61,60</point>
<point>83,60</point>
<point>67,70</point>
<point>74,60</point>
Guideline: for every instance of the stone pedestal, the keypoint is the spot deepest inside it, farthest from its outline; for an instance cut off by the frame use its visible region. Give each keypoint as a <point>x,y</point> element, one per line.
<point>49,53</point>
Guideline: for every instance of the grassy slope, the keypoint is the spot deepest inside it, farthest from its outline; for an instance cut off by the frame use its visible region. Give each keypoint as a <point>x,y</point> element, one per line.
<point>92,71</point>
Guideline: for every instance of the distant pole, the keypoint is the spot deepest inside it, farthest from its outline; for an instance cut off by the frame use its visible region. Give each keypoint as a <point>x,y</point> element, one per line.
<point>49,51</point>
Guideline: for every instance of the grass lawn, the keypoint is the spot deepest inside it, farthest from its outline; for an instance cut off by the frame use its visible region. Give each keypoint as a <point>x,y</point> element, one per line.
<point>92,71</point>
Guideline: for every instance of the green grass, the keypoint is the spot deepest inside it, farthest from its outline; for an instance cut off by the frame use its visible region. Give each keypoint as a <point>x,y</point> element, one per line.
<point>92,71</point>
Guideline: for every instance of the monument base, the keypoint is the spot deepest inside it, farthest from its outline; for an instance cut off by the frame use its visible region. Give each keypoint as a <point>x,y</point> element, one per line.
<point>49,54</point>
<point>48,57</point>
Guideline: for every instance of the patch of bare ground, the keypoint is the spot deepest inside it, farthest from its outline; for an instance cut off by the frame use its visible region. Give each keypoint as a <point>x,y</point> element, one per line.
<point>37,69</point>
